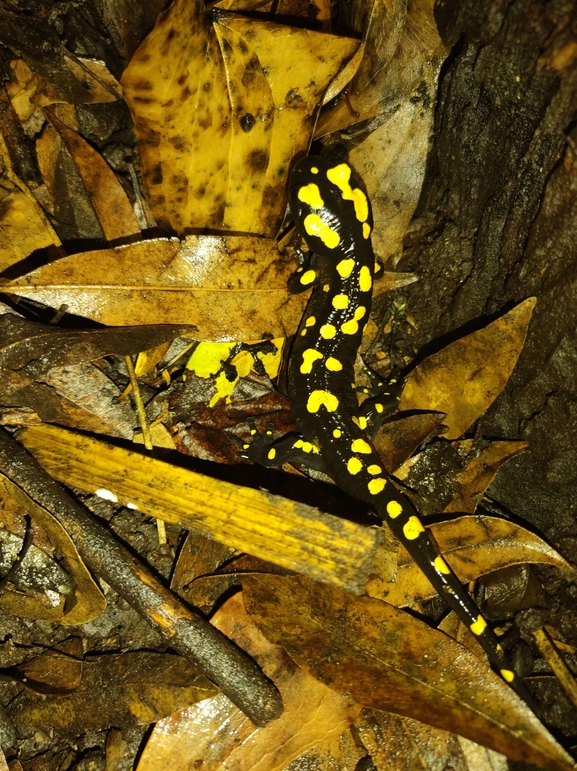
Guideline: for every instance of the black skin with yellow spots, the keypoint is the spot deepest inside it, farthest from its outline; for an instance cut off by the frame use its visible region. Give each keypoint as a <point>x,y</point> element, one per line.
<point>333,215</point>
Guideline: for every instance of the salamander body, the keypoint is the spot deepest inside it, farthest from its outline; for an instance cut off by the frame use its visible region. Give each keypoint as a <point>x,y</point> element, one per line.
<point>333,215</point>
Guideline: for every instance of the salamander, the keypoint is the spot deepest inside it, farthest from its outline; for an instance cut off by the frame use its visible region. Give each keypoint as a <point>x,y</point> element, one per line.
<point>333,215</point>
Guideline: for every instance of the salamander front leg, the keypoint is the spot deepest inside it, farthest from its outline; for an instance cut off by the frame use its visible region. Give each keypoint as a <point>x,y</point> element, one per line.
<point>266,451</point>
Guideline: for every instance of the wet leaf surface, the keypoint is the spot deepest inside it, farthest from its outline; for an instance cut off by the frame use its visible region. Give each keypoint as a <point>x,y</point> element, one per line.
<point>352,645</point>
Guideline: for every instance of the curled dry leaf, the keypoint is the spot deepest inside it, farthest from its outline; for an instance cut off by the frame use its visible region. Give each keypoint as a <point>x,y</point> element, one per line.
<point>402,49</point>
<point>215,735</point>
<point>278,530</point>
<point>89,602</point>
<point>231,288</point>
<point>466,377</point>
<point>219,123</point>
<point>473,546</point>
<point>126,689</point>
<point>23,225</point>
<point>389,660</point>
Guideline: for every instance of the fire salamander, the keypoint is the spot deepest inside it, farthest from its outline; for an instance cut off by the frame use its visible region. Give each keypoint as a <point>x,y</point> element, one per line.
<point>333,215</point>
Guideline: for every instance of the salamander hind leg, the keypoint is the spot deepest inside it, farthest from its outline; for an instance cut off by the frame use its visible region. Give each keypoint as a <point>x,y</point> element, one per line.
<point>265,450</point>
<point>384,396</point>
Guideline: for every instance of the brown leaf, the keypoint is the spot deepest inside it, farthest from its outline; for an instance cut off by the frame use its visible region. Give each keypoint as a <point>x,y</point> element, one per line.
<point>229,288</point>
<point>473,546</point>
<point>480,472</point>
<point>399,438</point>
<point>219,124</point>
<point>215,735</point>
<point>389,660</point>
<point>289,534</point>
<point>106,194</point>
<point>56,671</point>
<point>465,378</point>
<point>87,602</point>
<point>126,689</point>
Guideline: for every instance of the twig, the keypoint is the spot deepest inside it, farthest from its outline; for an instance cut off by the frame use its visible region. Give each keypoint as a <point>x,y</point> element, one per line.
<point>237,675</point>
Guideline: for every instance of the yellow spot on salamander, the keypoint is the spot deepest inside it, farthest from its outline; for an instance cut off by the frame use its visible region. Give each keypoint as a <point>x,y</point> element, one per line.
<point>308,277</point>
<point>366,231</point>
<point>303,333</point>
<point>499,648</point>
<point>359,445</point>
<point>326,288</point>
<point>328,331</point>
<point>394,508</point>
<point>337,433</point>
<point>479,626</point>
<point>340,176</point>
<point>314,170</point>
<point>376,486</point>
<point>441,566</point>
<point>345,267</point>
<point>413,528</point>
<point>315,226</point>
<point>318,399</point>
<point>271,453</point>
<point>361,422</point>
<point>365,279</point>
<point>354,465</point>
<point>340,301</point>
<point>312,195</point>
<point>507,675</point>
<point>374,469</point>
<point>310,322</point>
<point>333,364</point>
<point>351,327</point>
<point>309,358</point>
<point>298,444</point>
<point>379,408</point>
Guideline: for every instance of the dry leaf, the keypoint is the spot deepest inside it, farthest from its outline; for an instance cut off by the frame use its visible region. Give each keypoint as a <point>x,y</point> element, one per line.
<point>219,123</point>
<point>466,377</point>
<point>480,472</point>
<point>23,226</point>
<point>57,671</point>
<point>473,546</point>
<point>389,660</point>
<point>289,534</point>
<point>399,438</point>
<point>231,288</point>
<point>106,195</point>
<point>402,50</point>
<point>88,601</point>
<point>122,690</point>
<point>215,735</point>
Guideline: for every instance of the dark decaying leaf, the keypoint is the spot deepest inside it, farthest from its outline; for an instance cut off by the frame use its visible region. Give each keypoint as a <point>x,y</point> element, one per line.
<point>228,288</point>
<point>399,438</point>
<point>85,602</point>
<point>57,671</point>
<point>465,378</point>
<point>31,355</point>
<point>215,735</point>
<point>122,690</point>
<point>389,660</point>
<point>473,546</point>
